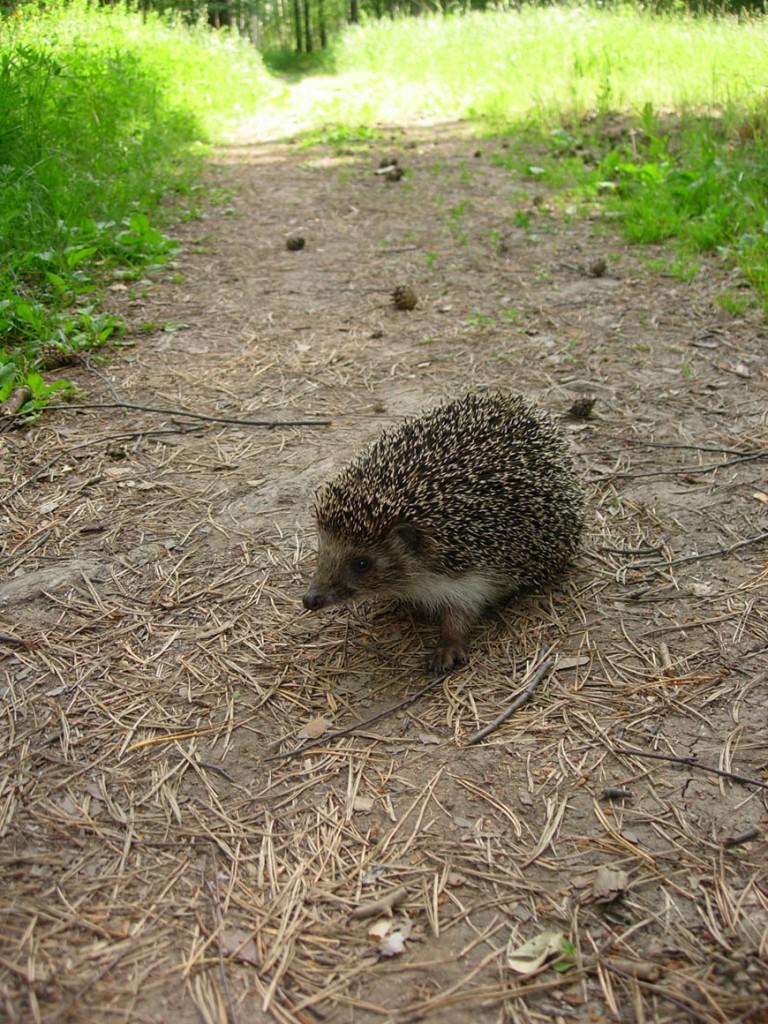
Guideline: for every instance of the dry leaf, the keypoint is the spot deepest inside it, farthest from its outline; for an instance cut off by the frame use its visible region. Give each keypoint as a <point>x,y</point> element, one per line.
<point>380,928</point>
<point>362,804</point>
<point>393,941</point>
<point>529,957</point>
<point>702,589</point>
<point>314,728</point>
<point>760,496</point>
<point>393,944</point>
<point>566,663</point>
<point>428,737</point>
<point>453,880</point>
<point>608,884</point>
<point>646,970</point>
<point>238,943</point>
<point>50,506</point>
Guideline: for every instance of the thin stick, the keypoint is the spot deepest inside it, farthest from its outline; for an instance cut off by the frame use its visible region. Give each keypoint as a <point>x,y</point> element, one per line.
<point>690,470</point>
<point>691,762</point>
<point>11,405</point>
<point>690,447</point>
<point>384,903</point>
<point>194,415</point>
<point>297,751</point>
<point>537,677</point>
<point>712,553</point>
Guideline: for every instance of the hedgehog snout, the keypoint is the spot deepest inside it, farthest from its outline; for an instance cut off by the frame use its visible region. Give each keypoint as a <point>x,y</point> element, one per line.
<point>315,599</point>
<point>322,594</point>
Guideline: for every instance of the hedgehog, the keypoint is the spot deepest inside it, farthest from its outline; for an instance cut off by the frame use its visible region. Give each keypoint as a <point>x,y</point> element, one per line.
<point>451,512</point>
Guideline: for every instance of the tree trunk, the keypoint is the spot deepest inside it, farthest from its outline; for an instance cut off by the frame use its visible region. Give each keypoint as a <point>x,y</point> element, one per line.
<point>307,30</point>
<point>219,14</point>
<point>354,12</point>
<point>297,26</point>
<point>321,24</point>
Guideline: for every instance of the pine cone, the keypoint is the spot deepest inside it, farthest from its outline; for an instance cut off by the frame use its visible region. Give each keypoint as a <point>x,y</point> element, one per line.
<point>582,408</point>
<point>53,355</point>
<point>404,297</point>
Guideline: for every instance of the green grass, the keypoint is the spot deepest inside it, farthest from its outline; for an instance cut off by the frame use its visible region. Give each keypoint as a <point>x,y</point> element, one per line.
<point>540,64</point>
<point>692,89</point>
<point>102,114</point>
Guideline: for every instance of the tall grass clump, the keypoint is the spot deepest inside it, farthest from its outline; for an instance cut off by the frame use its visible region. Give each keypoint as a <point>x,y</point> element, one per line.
<point>542,63</point>
<point>102,113</point>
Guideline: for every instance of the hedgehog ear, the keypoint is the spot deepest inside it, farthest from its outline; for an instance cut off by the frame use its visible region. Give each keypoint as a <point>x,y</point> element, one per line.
<point>408,536</point>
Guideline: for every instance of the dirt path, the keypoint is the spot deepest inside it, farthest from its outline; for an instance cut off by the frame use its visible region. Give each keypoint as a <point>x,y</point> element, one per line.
<point>157,866</point>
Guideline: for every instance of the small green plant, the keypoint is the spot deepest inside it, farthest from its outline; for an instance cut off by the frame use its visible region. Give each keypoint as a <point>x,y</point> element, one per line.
<point>568,957</point>
<point>431,258</point>
<point>522,219</point>
<point>497,242</point>
<point>340,135</point>
<point>684,269</point>
<point>733,304</point>
<point>455,223</point>
<point>514,315</point>
<point>478,319</point>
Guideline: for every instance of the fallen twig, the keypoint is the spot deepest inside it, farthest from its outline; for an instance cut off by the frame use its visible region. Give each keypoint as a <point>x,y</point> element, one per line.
<point>753,832</point>
<point>194,415</point>
<point>14,402</point>
<point>691,762</point>
<point>9,640</point>
<point>382,905</point>
<point>690,447</point>
<point>690,470</point>
<point>537,677</point>
<point>712,553</point>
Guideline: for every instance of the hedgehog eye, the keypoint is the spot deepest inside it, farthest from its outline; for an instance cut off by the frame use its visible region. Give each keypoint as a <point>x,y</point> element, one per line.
<point>361,565</point>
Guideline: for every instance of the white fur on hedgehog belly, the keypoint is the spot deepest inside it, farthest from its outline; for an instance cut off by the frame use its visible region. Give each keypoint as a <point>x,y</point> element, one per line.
<point>470,592</point>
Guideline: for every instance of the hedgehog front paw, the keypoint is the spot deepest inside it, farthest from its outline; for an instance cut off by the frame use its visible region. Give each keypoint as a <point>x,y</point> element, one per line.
<point>447,657</point>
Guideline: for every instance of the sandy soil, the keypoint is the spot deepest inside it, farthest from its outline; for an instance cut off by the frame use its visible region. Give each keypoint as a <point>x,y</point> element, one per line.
<point>162,861</point>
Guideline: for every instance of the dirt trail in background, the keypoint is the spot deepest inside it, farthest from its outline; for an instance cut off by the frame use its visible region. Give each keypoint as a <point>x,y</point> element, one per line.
<point>158,864</point>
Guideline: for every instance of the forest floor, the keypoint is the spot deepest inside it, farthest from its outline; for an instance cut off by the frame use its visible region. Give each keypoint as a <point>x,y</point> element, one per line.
<point>161,860</point>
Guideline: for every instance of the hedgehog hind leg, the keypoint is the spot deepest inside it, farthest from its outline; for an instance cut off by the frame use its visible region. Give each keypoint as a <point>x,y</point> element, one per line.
<point>452,650</point>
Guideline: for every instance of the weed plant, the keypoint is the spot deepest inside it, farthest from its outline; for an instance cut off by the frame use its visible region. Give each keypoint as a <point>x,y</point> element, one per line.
<point>101,115</point>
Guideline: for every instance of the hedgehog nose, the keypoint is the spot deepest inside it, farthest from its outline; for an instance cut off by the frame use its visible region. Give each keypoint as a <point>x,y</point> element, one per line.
<point>313,600</point>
